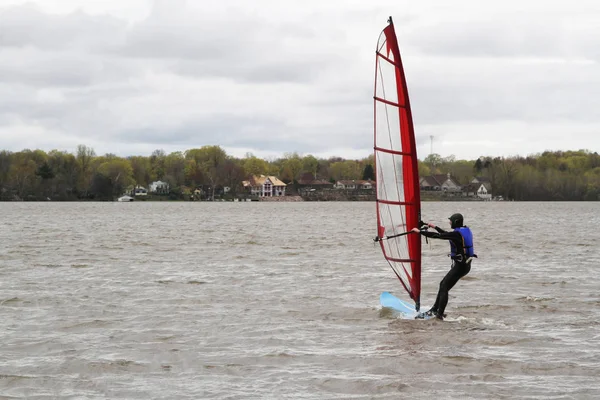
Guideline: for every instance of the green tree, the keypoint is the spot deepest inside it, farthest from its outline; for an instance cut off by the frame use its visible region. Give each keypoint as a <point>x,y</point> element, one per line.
<point>157,165</point>
<point>348,170</point>
<point>291,166</point>
<point>21,175</point>
<point>368,173</point>
<point>64,184</point>
<point>5,164</point>
<point>142,170</point>
<point>424,169</point>
<point>85,156</point>
<point>120,173</point>
<point>255,166</point>
<point>310,164</point>
<point>175,170</point>
<point>211,160</point>
<point>233,175</point>
<point>478,167</point>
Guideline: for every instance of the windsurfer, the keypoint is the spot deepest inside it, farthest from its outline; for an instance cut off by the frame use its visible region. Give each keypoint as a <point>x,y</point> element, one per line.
<point>461,252</point>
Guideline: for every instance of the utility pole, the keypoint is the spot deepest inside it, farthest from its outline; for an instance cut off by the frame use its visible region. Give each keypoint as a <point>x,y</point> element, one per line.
<point>431,145</point>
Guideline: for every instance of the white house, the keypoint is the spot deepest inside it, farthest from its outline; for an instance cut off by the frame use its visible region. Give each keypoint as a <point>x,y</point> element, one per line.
<point>346,184</point>
<point>484,191</point>
<point>159,187</point>
<point>140,191</point>
<point>366,184</point>
<point>354,184</point>
<point>265,186</point>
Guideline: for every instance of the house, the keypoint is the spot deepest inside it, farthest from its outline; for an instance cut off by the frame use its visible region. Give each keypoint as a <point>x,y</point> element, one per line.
<point>346,184</point>
<point>429,183</point>
<point>140,191</point>
<point>366,185</point>
<point>441,182</point>
<point>354,184</point>
<point>481,190</point>
<point>159,187</point>
<point>484,188</point>
<point>310,182</point>
<point>265,186</point>
<point>470,190</point>
<point>485,191</point>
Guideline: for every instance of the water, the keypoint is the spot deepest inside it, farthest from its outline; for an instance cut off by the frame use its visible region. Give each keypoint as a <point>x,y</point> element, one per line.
<point>280,301</point>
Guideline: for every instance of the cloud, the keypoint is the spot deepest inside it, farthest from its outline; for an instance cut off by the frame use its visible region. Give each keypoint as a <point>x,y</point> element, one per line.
<point>274,77</point>
<point>27,26</point>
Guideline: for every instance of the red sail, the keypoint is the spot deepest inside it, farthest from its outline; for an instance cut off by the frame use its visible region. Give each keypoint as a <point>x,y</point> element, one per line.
<point>398,195</point>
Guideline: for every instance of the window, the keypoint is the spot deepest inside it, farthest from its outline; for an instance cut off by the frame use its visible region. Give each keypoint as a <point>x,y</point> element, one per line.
<point>267,188</point>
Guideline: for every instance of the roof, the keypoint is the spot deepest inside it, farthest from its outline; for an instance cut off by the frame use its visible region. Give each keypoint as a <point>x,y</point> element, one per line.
<point>487,185</point>
<point>306,178</point>
<point>260,180</point>
<point>441,178</point>
<point>471,187</point>
<point>482,179</point>
<point>429,180</point>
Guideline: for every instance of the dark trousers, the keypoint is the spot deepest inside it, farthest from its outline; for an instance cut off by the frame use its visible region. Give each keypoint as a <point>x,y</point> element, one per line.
<point>457,271</point>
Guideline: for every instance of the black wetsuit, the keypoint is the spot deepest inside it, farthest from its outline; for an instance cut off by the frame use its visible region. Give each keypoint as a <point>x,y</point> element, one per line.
<point>460,267</point>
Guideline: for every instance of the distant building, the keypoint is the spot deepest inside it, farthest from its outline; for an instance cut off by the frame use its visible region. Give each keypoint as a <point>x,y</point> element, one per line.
<point>441,182</point>
<point>354,184</point>
<point>485,191</point>
<point>481,190</point>
<point>159,187</point>
<point>140,191</point>
<point>470,190</point>
<point>265,186</point>
<point>309,182</point>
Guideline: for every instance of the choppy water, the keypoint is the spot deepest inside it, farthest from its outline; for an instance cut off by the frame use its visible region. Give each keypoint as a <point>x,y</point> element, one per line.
<point>281,300</point>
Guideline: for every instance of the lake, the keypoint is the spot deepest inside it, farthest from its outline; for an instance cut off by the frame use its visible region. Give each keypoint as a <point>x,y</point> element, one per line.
<point>182,300</point>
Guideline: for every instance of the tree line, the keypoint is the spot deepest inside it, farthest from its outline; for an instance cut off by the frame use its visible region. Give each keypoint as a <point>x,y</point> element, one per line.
<point>548,176</point>
<point>60,175</point>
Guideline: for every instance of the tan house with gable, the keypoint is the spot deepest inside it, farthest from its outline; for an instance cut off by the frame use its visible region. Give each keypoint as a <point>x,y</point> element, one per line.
<point>265,186</point>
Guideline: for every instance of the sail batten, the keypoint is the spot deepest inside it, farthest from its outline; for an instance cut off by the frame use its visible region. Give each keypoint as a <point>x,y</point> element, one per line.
<point>397,182</point>
<point>398,203</point>
<point>398,152</point>
<point>389,102</point>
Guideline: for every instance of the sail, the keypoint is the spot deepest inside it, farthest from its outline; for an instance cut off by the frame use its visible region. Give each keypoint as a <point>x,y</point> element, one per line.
<point>397,177</point>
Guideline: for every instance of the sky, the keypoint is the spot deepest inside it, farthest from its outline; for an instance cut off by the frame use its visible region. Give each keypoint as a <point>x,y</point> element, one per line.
<point>271,77</point>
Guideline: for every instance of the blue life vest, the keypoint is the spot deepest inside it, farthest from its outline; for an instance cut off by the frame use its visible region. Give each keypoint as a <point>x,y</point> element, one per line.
<point>467,237</point>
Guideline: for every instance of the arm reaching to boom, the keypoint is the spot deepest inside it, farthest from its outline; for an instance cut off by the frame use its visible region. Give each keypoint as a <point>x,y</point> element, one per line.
<point>452,236</point>
<point>429,225</point>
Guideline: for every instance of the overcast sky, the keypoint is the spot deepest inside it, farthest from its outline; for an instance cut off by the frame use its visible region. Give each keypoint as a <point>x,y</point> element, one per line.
<point>270,77</point>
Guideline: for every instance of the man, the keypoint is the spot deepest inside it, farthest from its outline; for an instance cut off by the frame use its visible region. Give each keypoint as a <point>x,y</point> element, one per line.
<point>461,252</point>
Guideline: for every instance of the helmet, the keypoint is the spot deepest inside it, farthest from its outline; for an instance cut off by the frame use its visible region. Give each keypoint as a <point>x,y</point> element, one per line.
<point>456,220</point>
